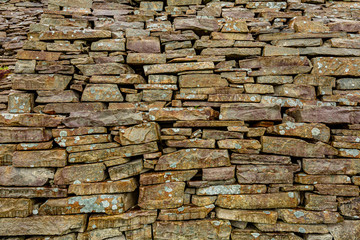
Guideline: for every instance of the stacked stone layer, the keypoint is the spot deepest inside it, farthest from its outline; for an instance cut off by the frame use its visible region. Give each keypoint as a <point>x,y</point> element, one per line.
<point>182,119</point>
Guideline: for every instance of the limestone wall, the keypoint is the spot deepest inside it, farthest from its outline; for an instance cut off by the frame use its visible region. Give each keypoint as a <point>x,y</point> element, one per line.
<point>180,119</point>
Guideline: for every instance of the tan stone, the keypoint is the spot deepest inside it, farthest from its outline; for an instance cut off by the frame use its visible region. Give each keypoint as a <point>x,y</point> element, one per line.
<point>177,67</point>
<point>331,166</point>
<point>168,176</point>
<point>143,133</point>
<point>300,216</point>
<point>249,112</point>
<point>15,207</point>
<point>248,174</point>
<point>23,134</point>
<point>40,82</point>
<point>80,173</point>
<point>336,66</point>
<point>259,201</point>
<point>11,176</point>
<point>40,158</point>
<point>231,189</point>
<point>166,195</point>
<point>74,34</point>
<point>286,227</point>
<point>121,186</point>
<point>126,170</point>
<point>102,93</point>
<point>254,216</point>
<point>32,192</point>
<point>186,212</point>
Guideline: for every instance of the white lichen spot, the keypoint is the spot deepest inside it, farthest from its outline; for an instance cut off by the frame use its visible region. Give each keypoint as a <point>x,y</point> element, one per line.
<point>315,131</point>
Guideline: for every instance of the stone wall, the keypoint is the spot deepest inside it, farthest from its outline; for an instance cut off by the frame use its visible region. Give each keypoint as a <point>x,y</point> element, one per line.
<point>182,119</point>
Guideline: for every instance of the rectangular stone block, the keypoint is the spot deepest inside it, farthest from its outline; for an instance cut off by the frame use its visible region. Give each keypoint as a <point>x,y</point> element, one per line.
<point>75,34</point>
<point>250,112</point>
<point>168,176</point>
<point>32,192</point>
<point>253,216</point>
<point>336,66</point>
<point>23,134</point>
<point>40,158</point>
<point>15,207</point>
<point>76,174</point>
<point>39,82</point>
<point>177,67</point>
<point>11,176</point>
<point>249,174</point>
<point>231,189</point>
<point>21,102</point>
<point>185,114</point>
<point>331,166</point>
<point>126,170</point>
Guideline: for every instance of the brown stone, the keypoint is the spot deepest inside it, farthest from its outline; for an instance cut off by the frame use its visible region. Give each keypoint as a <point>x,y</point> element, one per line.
<point>143,44</point>
<point>287,227</point>
<point>348,229</point>
<point>40,82</point>
<point>186,212</point>
<point>32,192</point>
<point>75,34</point>
<point>331,166</point>
<point>350,207</point>
<point>336,66</point>
<point>295,91</point>
<point>231,189</point>
<point>220,173</point>
<point>249,174</point>
<point>300,216</point>
<point>192,159</point>
<point>338,190</point>
<point>23,134</point>
<point>255,216</point>
<point>12,176</point>
<point>40,158</point>
<point>187,114</point>
<point>177,67</point>
<point>102,93</point>
<point>105,68</point>
<point>76,174</point>
<point>15,207</point>
<point>166,195</point>
<point>126,170</point>
<point>143,133</point>
<point>37,55</point>
<point>121,186</point>
<point>259,201</point>
<point>249,112</point>
<point>320,202</point>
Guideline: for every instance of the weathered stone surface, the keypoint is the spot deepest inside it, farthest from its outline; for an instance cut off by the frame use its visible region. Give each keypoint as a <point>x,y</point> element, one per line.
<point>109,204</point>
<point>103,118</point>
<point>338,190</point>
<point>259,159</point>
<point>74,34</point>
<point>185,213</point>
<point>202,24</point>
<point>338,66</point>
<point>254,233</point>
<point>192,159</point>
<point>145,58</point>
<point>286,227</point>
<point>320,202</point>
<point>20,102</point>
<point>240,145</point>
<point>42,225</point>
<point>348,229</point>
<point>121,186</point>
<point>299,216</point>
<point>177,67</point>
<point>221,173</point>
<point>32,192</point>
<point>81,140</point>
<point>168,176</point>
<point>105,68</point>
<point>23,134</point>
<point>126,170</point>
<point>254,216</point>
<point>12,176</point>
<point>310,131</point>
<point>231,189</point>
<point>125,221</point>
<point>201,80</point>
<point>247,174</point>
<point>259,201</point>
<point>30,120</point>
<point>142,133</point>
<point>321,179</point>
<point>41,158</point>
<point>77,174</point>
<point>198,229</point>
<point>183,2</point>
<point>36,55</point>
<point>331,166</point>
<point>108,45</point>
<point>15,207</point>
<point>350,207</point>
<point>102,234</point>
<point>187,114</point>
<point>249,112</point>
<point>117,152</point>
<point>296,147</point>
<point>123,79</point>
<point>191,143</point>
<point>143,44</point>
<point>40,82</point>
<point>102,93</point>
<point>295,91</point>
<point>73,107</point>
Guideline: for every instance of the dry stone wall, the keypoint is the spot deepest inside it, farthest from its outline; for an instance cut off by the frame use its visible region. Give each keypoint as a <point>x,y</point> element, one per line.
<point>181,119</point>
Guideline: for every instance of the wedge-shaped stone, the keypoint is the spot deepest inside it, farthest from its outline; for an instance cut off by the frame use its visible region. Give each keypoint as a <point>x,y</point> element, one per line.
<point>300,216</point>
<point>108,45</point>
<point>103,118</point>
<point>101,93</point>
<point>76,174</point>
<point>32,192</point>
<point>75,34</point>
<point>331,166</point>
<point>185,114</point>
<point>348,229</point>
<point>322,179</point>
<point>202,80</point>
<point>177,67</point>
<point>124,222</point>
<point>287,227</point>
<point>11,176</point>
<point>259,201</point>
<point>142,133</point>
<point>15,207</point>
<point>105,69</point>
<point>324,114</point>
<point>253,216</point>
<point>122,186</point>
<point>248,174</point>
<point>126,170</point>
<point>195,229</point>
<point>40,82</point>
<point>315,131</point>
<point>168,176</point>
<point>165,195</point>
<point>41,158</point>
<point>231,189</point>
<point>42,225</point>
<point>295,91</point>
<point>202,24</point>
<point>192,159</point>
<point>296,147</point>
<point>350,207</point>
<point>336,66</point>
<point>109,204</point>
<point>118,152</point>
<point>186,212</point>
<point>30,120</point>
<point>23,134</point>
<point>250,112</point>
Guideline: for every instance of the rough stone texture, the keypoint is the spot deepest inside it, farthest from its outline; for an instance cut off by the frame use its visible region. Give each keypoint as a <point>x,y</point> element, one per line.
<point>179,119</point>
